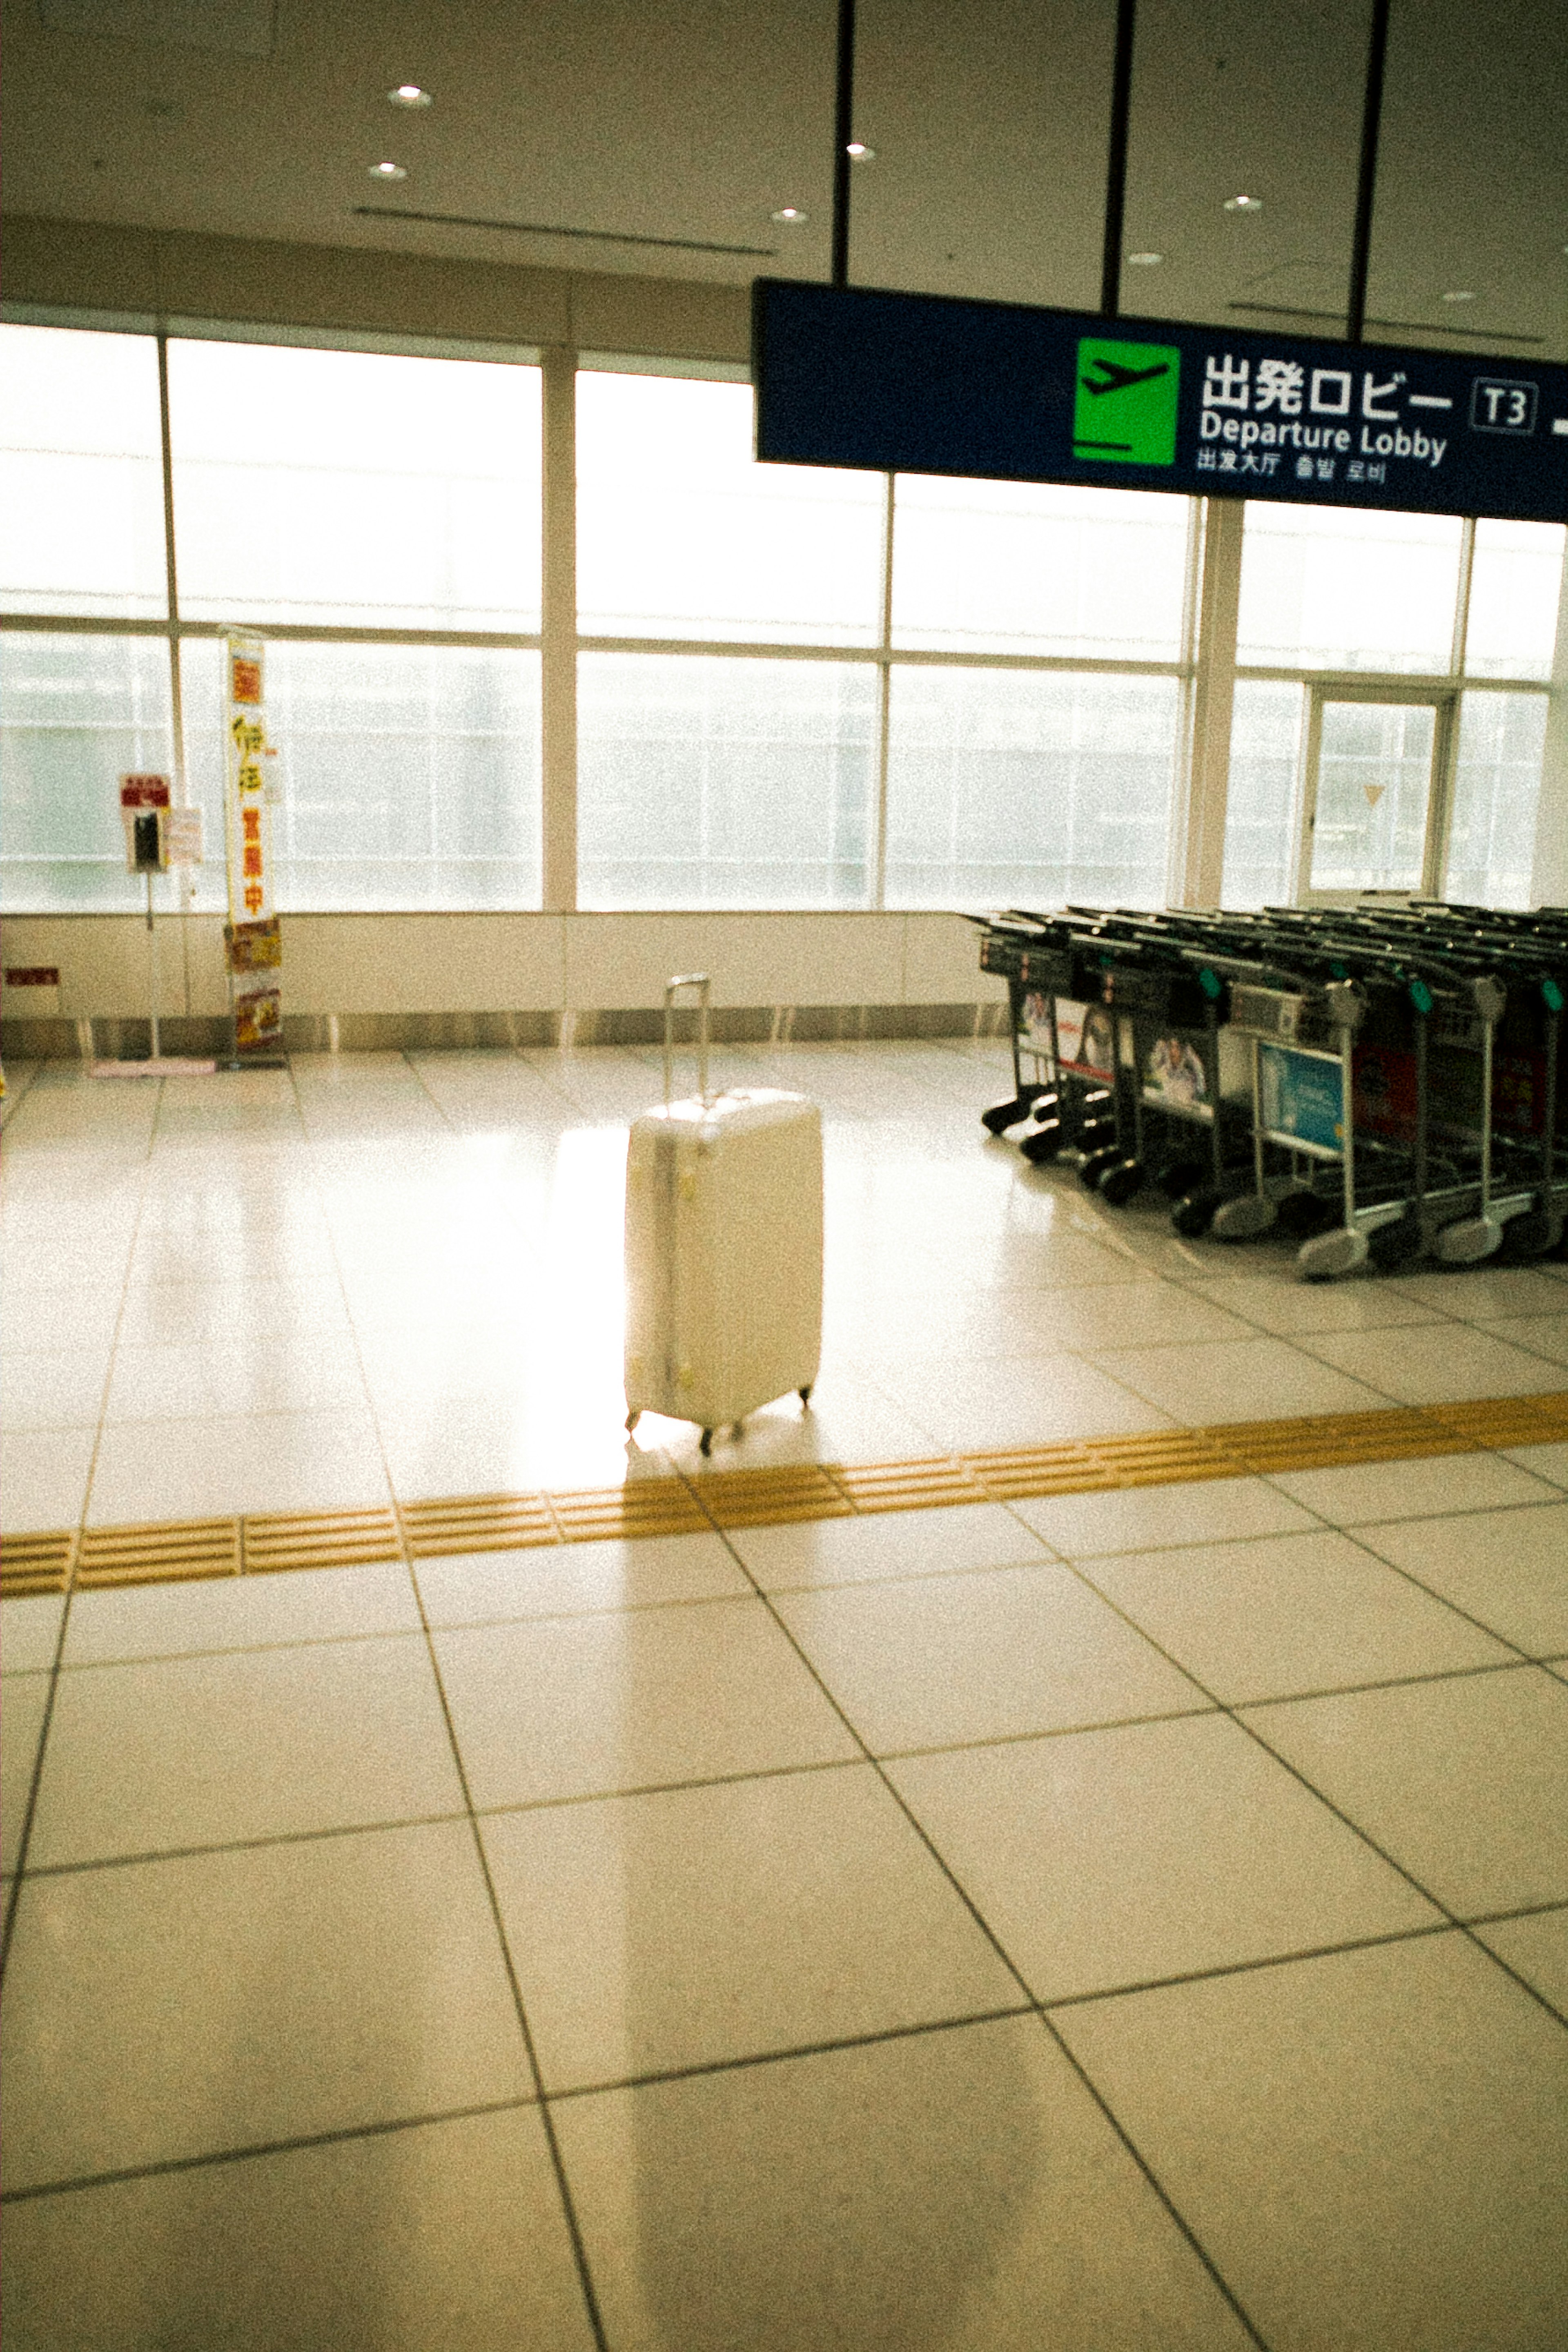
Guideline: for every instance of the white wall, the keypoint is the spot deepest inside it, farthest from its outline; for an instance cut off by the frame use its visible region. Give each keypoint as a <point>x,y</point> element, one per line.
<point>495,964</point>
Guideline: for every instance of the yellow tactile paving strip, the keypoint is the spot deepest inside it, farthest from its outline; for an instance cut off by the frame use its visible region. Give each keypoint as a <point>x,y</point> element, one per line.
<point>168,1550</point>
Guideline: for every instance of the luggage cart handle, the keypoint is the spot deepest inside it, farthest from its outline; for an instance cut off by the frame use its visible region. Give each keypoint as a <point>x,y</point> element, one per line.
<point>699,981</point>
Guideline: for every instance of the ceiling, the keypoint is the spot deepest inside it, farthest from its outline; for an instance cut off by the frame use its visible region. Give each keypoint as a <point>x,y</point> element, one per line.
<point>609,135</point>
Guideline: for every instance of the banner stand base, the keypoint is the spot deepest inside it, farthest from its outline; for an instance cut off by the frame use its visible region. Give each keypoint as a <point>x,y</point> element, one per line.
<point>157,1066</point>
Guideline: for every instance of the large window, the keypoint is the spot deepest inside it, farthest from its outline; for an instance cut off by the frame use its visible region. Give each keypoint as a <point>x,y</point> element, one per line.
<point>354,487</point>
<point>81,479</point>
<point>712,783</point>
<point>795,687</point>
<point>1017,568</point>
<point>1028,788</point>
<point>1468,614</point>
<point>76,711</point>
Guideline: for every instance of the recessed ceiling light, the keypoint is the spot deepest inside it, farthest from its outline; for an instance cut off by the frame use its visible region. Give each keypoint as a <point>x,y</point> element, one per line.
<point>408,93</point>
<point>859,152</point>
<point>387,171</point>
<point>1462,295</point>
<point>791,214</point>
<point>1243,204</point>
<point>1144,260</point>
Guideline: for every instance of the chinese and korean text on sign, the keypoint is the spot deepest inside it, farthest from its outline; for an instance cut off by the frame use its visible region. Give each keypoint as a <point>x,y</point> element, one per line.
<point>254,938</point>
<point>927,383</point>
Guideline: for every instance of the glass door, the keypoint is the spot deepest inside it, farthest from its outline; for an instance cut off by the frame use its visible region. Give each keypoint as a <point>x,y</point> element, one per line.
<point>1374,803</point>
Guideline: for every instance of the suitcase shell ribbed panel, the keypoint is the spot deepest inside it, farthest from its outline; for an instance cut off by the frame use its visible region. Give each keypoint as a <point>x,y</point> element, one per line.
<point>724,1254</point>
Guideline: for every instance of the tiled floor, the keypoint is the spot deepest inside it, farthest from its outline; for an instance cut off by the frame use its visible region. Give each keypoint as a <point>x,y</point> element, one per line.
<point>1113,1921</point>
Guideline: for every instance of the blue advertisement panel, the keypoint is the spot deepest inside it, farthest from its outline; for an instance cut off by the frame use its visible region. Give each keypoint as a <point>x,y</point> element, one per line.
<point>1302,1098</point>
<point>925,383</point>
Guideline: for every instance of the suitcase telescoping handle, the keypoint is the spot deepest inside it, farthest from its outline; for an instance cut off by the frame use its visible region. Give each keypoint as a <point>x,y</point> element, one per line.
<point>700,981</point>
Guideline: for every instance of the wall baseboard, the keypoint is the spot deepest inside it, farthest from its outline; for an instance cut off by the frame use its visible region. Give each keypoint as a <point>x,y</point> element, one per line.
<point>58,1039</point>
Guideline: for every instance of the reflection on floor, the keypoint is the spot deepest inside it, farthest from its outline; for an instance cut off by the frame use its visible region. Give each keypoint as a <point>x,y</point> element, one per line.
<point>1107,1919</point>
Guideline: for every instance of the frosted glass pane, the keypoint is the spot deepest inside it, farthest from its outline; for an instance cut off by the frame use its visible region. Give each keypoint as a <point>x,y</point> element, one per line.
<point>1497,785</point>
<point>1375,782</point>
<point>681,533</point>
<point>81,476</point>
<point>1013,567</point>
<point>1327,590</point>
<point>723,782</point>
<point>1027,788</point>
<point>1515,582</point>
<point>355,488</point>
<point>411,774</point>
<point>1260,807</point>
<point>75,713</point>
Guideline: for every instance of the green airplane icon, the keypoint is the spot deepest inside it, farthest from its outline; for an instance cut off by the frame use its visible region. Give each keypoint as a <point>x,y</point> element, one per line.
<point>1139,426</point>
<point>1117,379</point>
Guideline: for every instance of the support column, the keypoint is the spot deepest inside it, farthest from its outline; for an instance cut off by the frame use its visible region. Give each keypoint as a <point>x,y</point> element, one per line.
<point>1549,868</point>
<point>1201,868</point>
<point>558,657</point>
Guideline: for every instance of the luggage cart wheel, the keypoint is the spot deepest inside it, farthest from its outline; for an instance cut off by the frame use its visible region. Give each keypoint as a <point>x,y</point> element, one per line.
<point>633,1418</point>
<point>1002,1116</point>
<point>1467,1240</point>
<point>1099,1163</point>
<point>1303,1214</point>
<point>1044,1143</point>
<point>1179,1176</point>
<point>737,1429</point>
<point>707,1444</point>
<point>1119,1184</point>
<point>1327,1254</point>
<point>1243,1219</point>
<point>1529,1236</point>
<point>1396,1244</point>
<point>1194,1214</point>
<point>805,1394</point>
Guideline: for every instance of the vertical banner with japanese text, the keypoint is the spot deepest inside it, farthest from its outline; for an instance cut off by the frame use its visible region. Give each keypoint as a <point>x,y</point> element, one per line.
<point>254,938</point>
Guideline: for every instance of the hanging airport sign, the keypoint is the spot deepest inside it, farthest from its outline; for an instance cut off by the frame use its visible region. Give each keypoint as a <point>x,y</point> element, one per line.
<point>926,383</point>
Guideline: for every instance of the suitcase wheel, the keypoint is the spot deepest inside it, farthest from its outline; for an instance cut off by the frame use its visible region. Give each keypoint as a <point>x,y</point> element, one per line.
<point>806,1393</point>
<point>706,1445</point>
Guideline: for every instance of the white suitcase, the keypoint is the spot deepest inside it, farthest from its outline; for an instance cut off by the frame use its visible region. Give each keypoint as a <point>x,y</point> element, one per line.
<point>724,1247</point>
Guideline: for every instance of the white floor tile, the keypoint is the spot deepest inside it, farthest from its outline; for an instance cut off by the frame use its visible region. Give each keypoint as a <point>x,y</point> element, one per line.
<point>53,1388</point>
<point>264,1994</point>
<point>1017,1401</point>
<point>21,1727</point>
<point>1435,1364</point>
<point>938,2189</point>
<point>1549,1462</point>
<point>940,1660</point>
<point>1358,1494</point>
<point>1542,1335</point>
<point>457,2233</point>
<point>1507,1568</point>
<point>1291,1307</point>
<point>293,1371</point>
<point>237,1462</point>
<point>1372,2147</point>
<point>1535,1947</point>
<point>43,1478</point>
<point>1237,1380</point>
<point>1287,1613</point>
<point>30,1632</point>
<point>1483,1293</point>
<point>1136,1518</point>
<point>605,1705</point>
<point>193,1314</point>
<point>886,1544</point>
<point>155,1756</point>
<point>657,1932</point>
<point>1463,1782</point>
<point>240,1612</point>
<point>577,1579</point>
<point>1108,1858</point>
